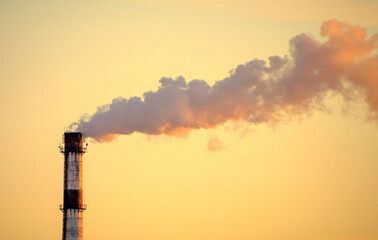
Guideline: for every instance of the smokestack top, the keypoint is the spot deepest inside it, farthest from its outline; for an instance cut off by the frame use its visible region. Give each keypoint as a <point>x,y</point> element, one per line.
<point>73,142</point>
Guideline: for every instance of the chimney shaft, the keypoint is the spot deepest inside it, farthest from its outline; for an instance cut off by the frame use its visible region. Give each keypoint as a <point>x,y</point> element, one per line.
<point>73,206</point>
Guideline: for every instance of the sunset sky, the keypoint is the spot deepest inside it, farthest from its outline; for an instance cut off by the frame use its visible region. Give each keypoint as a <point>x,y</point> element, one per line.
<point>312,176</point>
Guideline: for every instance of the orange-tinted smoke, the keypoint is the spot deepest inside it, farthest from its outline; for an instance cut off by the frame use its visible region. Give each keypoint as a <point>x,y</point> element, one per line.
<point>256,91</point>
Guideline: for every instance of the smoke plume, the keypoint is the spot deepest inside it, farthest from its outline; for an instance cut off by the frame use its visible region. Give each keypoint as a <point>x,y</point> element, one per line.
<point>214,144</point>
<point>257,91</point>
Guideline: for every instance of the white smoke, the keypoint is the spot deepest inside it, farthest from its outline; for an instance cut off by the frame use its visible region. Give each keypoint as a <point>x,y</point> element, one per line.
<point>257,91</point>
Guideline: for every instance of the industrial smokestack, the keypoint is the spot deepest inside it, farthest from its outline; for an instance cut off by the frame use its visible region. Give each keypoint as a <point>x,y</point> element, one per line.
<point>73,206</point>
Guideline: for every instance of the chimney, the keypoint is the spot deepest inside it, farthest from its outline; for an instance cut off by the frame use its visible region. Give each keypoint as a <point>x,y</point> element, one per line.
<point>73,206</point>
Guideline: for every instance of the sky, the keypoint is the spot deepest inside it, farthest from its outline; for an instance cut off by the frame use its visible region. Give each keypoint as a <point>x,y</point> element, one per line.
<point>310,177</point>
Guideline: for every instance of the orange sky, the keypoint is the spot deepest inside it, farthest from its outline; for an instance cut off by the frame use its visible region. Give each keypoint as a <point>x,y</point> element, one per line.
<point>312,178</point>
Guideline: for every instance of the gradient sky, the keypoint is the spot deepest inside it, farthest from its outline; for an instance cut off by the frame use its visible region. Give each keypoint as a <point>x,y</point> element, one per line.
<point>314,178</point>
